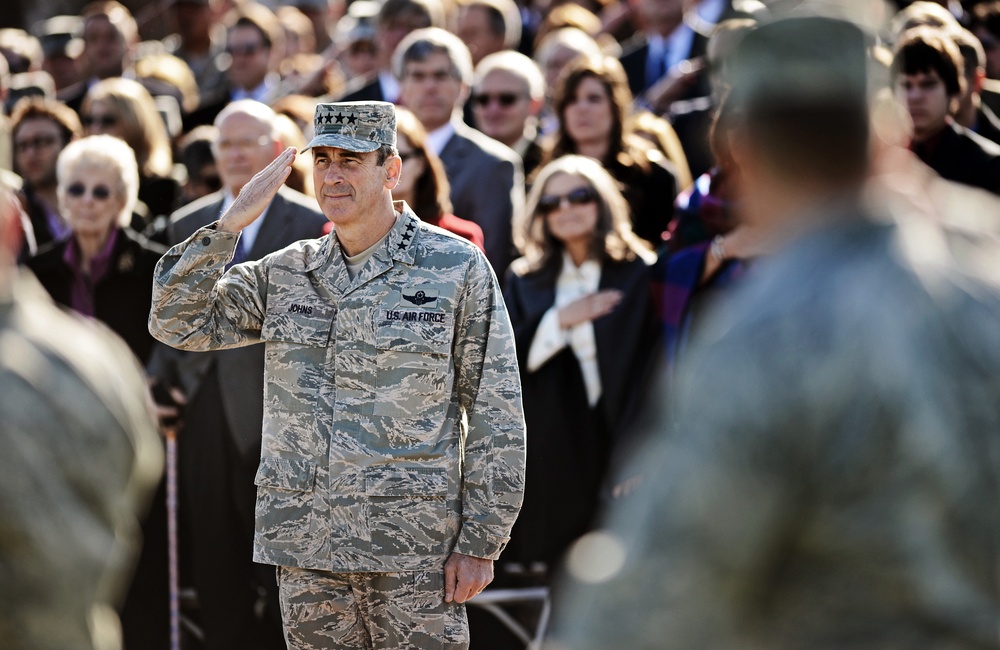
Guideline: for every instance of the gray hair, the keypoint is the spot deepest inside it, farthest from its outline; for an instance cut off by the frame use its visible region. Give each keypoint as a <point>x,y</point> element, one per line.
<point>421,43</point>
<point>516,64</point>
<point>107,152</point>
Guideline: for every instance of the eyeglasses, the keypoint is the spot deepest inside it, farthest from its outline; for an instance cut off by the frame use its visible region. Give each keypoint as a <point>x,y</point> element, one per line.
<point>225,146</point>
<point>246,50</point>
<point>548,204</point>
<point>99,192</point>
<point>505,100</point>
<point>101,121</point>
<point>410,155</point>
<point>37,142</point>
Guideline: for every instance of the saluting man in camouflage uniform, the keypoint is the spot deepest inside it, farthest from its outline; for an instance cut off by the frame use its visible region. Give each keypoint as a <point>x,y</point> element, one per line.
<point>393,446</point>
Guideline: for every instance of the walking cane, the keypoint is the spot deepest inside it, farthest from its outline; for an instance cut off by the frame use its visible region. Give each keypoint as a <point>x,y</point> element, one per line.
<point>175,597</point>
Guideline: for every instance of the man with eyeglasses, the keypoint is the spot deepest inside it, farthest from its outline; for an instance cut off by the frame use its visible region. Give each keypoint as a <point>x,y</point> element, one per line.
<point>219,445</point>
<point>508,93</point>
<point>41,128</point>
<point>486,177</point>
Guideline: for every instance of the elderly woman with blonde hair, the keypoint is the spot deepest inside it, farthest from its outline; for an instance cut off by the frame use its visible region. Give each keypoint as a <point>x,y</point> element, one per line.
<point>580,304</point>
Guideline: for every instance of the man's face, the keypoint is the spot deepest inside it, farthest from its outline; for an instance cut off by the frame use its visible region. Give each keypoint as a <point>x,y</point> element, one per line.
<point>926,100</point>
<point>661,16</point>
<point>474,30</point>
<point>251,57</point>
<point>349,184</point>
<point>244,147</point>
<point>37,143</point>
<point>104,48</point>
<point>502,106</point>
<point>430,90</point>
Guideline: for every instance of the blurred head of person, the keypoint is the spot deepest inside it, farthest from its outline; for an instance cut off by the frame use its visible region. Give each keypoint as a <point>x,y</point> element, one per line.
<point>508,93</point>
<point>109,35</point>
<point>255,42</point>
<point>397,19</point>
<point>927,75</point>
<point>166,75</point>
<point>248,140</point>
<point>592,101</point>
<point>423,183</point>
<point>789,76</point>
<point>124,108</point>
<point>974,71</point>
<point>40,129</point>
<point>569,15</point>
<point>558,49</point>
<point>98,188</point>
<point>434,71</point>
<point>355,39</point>
<point>22,50</point>
<point>921,14</point>
<point>576,206</point>
<point>299,36</point>
<point>291,135</point>
<point>195,153</point>
<point>61,46</point>
<point>488,26</point>
<point>986,27</point>
<point>192,21</point>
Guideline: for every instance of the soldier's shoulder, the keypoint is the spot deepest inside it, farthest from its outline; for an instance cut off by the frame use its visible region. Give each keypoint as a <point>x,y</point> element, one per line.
<point>434,239</point>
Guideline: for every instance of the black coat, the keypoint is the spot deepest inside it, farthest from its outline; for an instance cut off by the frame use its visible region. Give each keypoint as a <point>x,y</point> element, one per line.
<point>122,298</point>
<point>571,444</point>
<point>964,157</point>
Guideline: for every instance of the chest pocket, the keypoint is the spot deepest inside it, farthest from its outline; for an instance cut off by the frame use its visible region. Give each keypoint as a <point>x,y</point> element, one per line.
<point>297,344</point>
<point>414,359</point>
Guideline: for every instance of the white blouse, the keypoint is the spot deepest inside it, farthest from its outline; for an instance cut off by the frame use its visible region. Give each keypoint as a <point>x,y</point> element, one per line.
<point>573,282</point>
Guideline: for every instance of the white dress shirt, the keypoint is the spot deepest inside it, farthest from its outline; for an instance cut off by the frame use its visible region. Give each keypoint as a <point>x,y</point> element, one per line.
<point>573,283</point>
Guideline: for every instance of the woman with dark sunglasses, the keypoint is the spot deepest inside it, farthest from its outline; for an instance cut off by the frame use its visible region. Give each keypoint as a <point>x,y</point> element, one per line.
<point>579,302</point>
<point>104,270</point>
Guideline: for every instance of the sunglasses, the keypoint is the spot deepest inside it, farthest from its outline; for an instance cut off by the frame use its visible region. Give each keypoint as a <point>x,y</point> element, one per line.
<point>99,192</point>
<point>548,204</point>
<point>246,50</point>
<point>504,99</point>
<point>101,121</point>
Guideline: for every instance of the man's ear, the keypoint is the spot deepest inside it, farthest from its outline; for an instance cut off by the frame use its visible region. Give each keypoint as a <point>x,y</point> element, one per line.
<point>393,166</point>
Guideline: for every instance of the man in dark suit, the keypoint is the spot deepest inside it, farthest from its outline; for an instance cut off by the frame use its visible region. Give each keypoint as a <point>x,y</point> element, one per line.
<point>219,447</point>
<point>927,76</point>
<point>486,177</point>
<point>972,112</point>
<point>396,19</point>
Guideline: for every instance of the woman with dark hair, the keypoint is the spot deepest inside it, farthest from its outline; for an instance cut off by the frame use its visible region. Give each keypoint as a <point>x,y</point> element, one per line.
<point>579,302</point>
<point>423,183</point>
<point>593,102</point>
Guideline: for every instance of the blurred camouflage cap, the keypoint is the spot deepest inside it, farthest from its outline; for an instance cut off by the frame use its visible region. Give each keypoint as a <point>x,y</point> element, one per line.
<point>796,60</point>
<point>354,126</point>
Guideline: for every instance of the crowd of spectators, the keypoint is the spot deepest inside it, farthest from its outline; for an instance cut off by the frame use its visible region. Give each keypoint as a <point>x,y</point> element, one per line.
<point>583,146</point>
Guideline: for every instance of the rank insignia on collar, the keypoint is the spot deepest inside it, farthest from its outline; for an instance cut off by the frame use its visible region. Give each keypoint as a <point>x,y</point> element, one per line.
<point>421,297</point>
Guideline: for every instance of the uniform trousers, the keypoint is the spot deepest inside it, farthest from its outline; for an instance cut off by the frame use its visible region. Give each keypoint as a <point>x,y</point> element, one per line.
<point>373,611</point>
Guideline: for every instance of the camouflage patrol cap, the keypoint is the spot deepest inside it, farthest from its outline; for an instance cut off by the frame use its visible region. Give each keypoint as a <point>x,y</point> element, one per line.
<point>354,126</point>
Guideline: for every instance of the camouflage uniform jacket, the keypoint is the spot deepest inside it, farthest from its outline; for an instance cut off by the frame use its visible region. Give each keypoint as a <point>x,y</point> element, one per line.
<point>393,430</point>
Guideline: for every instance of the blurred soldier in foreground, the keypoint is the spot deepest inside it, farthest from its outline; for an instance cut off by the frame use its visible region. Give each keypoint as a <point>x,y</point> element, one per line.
<point>80,458</point>
<point>829,475</point>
